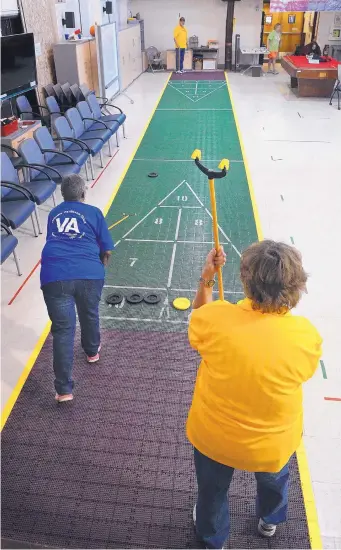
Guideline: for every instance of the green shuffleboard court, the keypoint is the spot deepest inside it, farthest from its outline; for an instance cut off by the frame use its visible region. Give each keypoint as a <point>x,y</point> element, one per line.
<point>167,230</point>
<point>113,468</point>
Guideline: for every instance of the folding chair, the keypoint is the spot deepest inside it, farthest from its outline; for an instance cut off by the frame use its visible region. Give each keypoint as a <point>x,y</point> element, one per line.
<point>337,89</point>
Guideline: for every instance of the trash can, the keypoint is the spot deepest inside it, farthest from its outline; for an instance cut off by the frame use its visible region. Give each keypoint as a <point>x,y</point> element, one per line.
<point>256,71</point>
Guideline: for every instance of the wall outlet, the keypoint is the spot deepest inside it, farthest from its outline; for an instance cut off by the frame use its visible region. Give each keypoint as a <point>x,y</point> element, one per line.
<point>37,47</point>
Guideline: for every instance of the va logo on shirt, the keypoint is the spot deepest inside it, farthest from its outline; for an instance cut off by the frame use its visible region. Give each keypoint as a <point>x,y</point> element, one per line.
<point>68,224</point>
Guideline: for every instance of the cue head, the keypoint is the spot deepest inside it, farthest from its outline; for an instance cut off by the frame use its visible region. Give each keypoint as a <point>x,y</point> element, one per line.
<point>224,164</point>
<point>196,154</point>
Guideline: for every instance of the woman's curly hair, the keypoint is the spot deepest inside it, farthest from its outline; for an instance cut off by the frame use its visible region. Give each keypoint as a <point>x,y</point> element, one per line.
<point>273,276</point>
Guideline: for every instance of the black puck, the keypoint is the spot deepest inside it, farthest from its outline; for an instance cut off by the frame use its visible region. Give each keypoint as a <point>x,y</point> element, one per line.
<point>114,299</point>
<point>152,299</point>
<point>134,298</point>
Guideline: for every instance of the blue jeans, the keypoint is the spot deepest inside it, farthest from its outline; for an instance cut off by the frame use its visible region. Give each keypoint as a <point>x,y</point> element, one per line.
<point>61,298</point>
<point>180,56</point>
<point>212,522</point>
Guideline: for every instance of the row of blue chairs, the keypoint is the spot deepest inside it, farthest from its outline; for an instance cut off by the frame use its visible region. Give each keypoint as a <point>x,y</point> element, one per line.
<point>61,98</point>
<point>45,160</point>
<point>85,123</point>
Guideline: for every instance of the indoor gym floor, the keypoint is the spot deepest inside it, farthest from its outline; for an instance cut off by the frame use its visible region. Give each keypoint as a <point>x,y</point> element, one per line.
<point>114,469</point>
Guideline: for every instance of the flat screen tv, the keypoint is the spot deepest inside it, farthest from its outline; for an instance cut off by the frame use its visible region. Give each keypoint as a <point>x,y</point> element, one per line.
<point>18,64</point>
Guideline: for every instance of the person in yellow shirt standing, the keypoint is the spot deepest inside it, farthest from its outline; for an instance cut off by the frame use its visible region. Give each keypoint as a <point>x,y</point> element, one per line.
<point>247,410</point>
<point>180,39</point>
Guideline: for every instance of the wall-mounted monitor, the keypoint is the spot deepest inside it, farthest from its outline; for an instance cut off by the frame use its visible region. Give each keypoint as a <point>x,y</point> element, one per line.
<point>18,64</point>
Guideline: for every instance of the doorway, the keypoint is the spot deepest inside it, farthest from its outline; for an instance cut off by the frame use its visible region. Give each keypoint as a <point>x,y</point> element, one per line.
<point>297,28</point>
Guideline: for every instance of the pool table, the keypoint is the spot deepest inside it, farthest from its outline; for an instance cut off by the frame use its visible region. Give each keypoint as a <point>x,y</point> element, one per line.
<point>310,79</point>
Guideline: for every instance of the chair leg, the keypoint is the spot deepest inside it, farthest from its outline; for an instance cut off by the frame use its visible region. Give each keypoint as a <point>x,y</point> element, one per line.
<point>54,198</point>
<point>92,168</point>
<point>17,263</point>
<point>38,219</point>
<point>335,90</point>
<point>117,142</point>
<point>101,158</point>
<point>109,146</point>
<point>332,97</point>
<point>86,170</point>
<point>34,226</point>
<point>124,131</point>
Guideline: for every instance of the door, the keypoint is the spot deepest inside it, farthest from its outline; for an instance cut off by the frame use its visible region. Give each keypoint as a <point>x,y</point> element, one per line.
<point>292,28</point>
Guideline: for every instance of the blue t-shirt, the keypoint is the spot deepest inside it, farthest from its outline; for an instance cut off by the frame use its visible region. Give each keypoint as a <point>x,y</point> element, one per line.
<point>76,235</point>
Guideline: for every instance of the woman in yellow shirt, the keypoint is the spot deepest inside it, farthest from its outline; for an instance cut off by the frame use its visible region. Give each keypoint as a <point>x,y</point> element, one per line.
<point>247,411</point>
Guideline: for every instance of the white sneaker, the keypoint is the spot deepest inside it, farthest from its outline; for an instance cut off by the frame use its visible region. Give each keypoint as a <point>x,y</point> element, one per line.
<point>95,358</point>
<point>267,530</point>
<point>182,72</point>
<point>63,398</point>
<point>178,72</point>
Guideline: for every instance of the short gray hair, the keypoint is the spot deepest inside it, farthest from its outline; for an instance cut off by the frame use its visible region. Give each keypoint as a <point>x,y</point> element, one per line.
<point>73,188</point>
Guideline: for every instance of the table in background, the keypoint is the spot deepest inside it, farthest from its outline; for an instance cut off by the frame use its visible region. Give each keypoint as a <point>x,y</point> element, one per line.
<point>171,60</point>
<point>208,55</point>
<point>14,139</point>
<point>310,79</point>
<point>255,53</point>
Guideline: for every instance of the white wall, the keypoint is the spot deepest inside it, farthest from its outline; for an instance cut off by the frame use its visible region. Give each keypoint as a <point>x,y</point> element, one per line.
<point>204,18</point>
<point>91,13</point>
<point>248,19</point>
<point>69,5</point>
<point>326,21</point>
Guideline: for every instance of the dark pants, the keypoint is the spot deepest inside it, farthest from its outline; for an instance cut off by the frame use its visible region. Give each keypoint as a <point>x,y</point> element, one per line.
<point>61,298</point>
<point>180,56</point>
<point>212,521</point>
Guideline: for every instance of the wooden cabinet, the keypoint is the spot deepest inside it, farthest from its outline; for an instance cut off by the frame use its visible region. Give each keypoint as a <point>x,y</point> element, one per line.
<point>76,62</point>
<point>130,55</point>
<point>171,60</point>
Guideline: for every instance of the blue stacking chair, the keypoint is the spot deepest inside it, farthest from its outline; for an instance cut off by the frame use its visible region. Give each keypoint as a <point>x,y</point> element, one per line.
<point>38,190</point>
<point>97,109</point>
<point>54,156</point>
<point>91,124</point>
<point>26,112</point>
<point>15,160</point>
<point>96,140</point>
<point>8,245</point>
<point>17,203</point>
<point>33,157</point>
<point>54,108</point>
<point>71,145</point>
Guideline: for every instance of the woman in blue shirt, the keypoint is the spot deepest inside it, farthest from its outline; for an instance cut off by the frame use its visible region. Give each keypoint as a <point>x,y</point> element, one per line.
<point>78,247</point>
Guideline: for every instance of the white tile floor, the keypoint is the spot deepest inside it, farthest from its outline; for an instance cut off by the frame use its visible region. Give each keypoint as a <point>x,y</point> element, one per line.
<point>293,148</point>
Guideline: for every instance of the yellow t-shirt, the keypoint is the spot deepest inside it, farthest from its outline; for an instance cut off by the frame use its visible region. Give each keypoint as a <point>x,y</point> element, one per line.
<point>180,36</point>
<point>247,409</point>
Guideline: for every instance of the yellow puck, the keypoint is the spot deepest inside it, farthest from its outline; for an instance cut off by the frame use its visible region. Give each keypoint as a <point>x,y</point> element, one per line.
<point>182,303</point>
